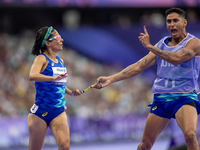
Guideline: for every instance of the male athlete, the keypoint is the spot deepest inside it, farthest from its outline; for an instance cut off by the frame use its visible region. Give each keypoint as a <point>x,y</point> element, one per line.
<point>175,88</point>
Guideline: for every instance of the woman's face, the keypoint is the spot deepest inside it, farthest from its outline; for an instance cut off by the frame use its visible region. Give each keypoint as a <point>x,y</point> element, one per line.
<point>55,42</point>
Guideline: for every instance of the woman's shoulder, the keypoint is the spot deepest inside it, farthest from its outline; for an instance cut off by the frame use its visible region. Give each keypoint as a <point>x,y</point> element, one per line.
<point>40,58</point>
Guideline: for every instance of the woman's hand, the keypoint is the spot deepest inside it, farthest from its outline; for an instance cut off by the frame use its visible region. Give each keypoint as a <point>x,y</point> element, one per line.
<point>76,92</point>
<point>61,76</point>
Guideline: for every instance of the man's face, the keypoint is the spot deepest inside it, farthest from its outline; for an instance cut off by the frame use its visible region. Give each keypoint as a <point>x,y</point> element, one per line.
<point>176,25</point>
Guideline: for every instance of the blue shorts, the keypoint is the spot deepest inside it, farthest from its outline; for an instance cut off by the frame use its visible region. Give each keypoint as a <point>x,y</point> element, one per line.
<point>47,114</point>
<point>166,105</point>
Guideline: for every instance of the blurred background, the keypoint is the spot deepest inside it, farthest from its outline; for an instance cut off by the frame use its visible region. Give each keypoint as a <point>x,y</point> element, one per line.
<point>100,38</point>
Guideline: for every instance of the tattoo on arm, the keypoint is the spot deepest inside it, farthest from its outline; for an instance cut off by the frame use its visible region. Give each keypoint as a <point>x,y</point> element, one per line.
<point>131,70</point>
<point>185,51</point>
<point>165,54</point>
<point>168,54</point>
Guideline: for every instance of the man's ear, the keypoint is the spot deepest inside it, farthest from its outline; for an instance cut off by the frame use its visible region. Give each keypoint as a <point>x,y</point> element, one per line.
<point>185,22</point>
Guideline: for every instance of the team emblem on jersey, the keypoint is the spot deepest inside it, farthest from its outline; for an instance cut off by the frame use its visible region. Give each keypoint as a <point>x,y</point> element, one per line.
<point>52,64</point>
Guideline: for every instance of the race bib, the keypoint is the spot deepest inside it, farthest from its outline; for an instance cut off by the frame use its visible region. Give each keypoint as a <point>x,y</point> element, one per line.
<point>34,108</point>
<point>57,71</point>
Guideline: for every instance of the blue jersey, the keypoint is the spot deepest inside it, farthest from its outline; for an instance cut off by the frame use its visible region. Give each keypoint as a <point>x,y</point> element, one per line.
<point>181,78</point>
<point>50,94</point>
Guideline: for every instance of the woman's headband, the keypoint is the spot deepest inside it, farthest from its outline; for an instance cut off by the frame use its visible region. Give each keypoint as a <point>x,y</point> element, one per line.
<point>46,36</point>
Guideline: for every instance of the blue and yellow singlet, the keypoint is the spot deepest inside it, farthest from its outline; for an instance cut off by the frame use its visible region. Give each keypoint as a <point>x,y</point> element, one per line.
<point>50,94</point>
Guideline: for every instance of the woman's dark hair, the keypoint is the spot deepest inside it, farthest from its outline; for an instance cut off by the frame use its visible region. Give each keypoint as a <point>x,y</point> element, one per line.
<point>37,49</point>
<point>179,11</point>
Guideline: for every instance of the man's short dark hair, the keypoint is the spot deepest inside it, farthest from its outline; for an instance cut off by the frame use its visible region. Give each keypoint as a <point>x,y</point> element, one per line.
<point>179,11</point>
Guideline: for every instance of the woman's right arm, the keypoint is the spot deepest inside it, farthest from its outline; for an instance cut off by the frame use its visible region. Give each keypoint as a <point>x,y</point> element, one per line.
<point>37,67</point>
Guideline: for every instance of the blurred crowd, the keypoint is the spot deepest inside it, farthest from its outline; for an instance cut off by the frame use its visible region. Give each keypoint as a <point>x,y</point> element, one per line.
<point>18,93</point>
